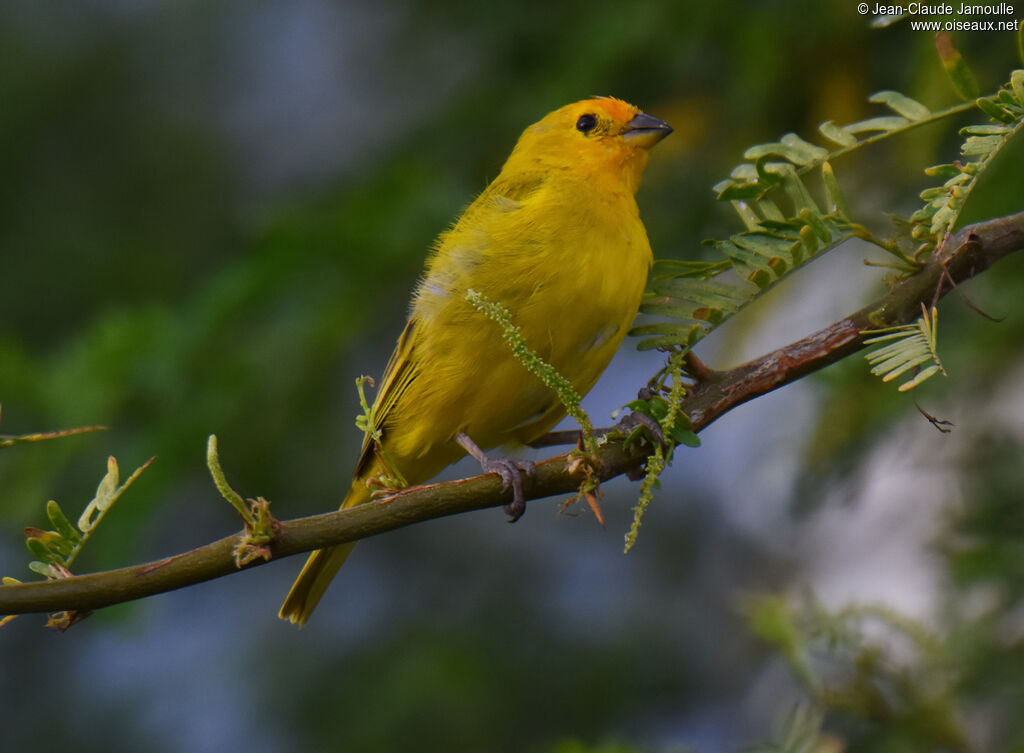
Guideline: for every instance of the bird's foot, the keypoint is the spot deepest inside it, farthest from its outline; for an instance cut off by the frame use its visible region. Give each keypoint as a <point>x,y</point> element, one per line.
<point>511,472</point>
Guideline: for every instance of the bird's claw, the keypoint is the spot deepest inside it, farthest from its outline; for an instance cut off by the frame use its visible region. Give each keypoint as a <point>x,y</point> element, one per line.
<point>511,472</point>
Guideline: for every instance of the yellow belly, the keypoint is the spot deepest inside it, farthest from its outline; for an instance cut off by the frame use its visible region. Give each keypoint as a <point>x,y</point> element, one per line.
<point>573,298</point>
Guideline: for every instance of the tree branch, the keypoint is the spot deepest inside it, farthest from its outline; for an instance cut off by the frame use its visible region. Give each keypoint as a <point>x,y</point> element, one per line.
<point>965,254</point>
<point>970,251</point>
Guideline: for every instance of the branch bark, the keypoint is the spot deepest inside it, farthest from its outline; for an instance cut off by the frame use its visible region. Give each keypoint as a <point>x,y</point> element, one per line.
<point>969,252</point>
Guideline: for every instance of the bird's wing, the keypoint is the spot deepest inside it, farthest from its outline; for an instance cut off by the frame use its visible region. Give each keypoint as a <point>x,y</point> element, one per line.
<point>398,375</point>
<point>505,194</point>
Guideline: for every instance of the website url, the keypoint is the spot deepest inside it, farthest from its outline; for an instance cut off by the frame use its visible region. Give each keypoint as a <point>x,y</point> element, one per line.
<point>965,25</point>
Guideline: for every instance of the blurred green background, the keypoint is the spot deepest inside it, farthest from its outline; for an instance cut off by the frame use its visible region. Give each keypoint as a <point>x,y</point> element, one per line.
<point>211,217</point>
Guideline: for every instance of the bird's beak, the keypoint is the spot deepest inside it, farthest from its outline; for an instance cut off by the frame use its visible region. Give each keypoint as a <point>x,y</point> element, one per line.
<point>646,130</point>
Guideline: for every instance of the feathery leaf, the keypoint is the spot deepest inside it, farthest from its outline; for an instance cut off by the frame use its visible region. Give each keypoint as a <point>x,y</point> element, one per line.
<point>907,347</point>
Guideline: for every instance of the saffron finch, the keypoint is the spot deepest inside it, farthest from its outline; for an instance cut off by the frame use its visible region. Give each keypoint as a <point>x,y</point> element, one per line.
<point>557,240</point>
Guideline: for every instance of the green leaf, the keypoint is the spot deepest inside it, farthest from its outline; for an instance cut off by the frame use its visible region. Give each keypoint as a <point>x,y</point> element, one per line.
<point>922,375</point>
<point>747,215</point>
<point>730,191</point>
<point>107,493</point>
<point>980,145</point>
<point>909,108</point>
<point>817,224</point>
<point>882,123</point>
<point>768,247</point>
<point>686,312</point>
<point>790,147</point>
<point>1017,82</point>
<point>957,180</point>
<point>795,189</point>
<point>694,269</point>
<point>660,328</point>
<point>44,569</point>
<point>811,152</point>
<point>766,174</point>
<point>809,240</point>
<point>960,76</point>
<point>60,522</point>
<point>707,292</point>
<point>796,253</point>
<point>982,142</point>
<point>924,214</point>
<point>761,278</point>
<point>897,364</point>
<point>1005,97</point>
<point>994,111</point>
<point>942,171</point>
<point>834,195</point>
<point>983,130</point>
<point>769,211</point>
<point>907,347</point>
<point>103,499</point>
<point>745,257</point>
<point>41,550</point>
<point>684,437</point>
<point>745,172</point>
<point>837,134</point>
<point>670,341</point>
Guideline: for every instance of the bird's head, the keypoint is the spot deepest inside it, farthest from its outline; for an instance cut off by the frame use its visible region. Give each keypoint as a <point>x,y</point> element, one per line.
<point>604,138</point>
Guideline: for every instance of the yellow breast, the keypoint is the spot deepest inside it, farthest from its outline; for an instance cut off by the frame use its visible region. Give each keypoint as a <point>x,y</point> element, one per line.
<point>569,262</point>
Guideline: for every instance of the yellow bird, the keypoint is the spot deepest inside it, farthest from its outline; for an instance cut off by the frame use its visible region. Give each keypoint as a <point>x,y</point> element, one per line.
<point>557,240</point>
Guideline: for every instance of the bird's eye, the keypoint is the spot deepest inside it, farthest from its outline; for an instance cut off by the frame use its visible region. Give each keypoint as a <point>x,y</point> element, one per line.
<point>586,123</point>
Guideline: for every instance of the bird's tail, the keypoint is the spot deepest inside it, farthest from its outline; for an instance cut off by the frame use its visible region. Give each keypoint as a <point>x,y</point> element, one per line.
<point>320,569</point>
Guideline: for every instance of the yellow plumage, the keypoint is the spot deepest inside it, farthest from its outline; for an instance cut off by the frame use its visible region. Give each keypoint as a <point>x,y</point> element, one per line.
<point>556,239</point>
